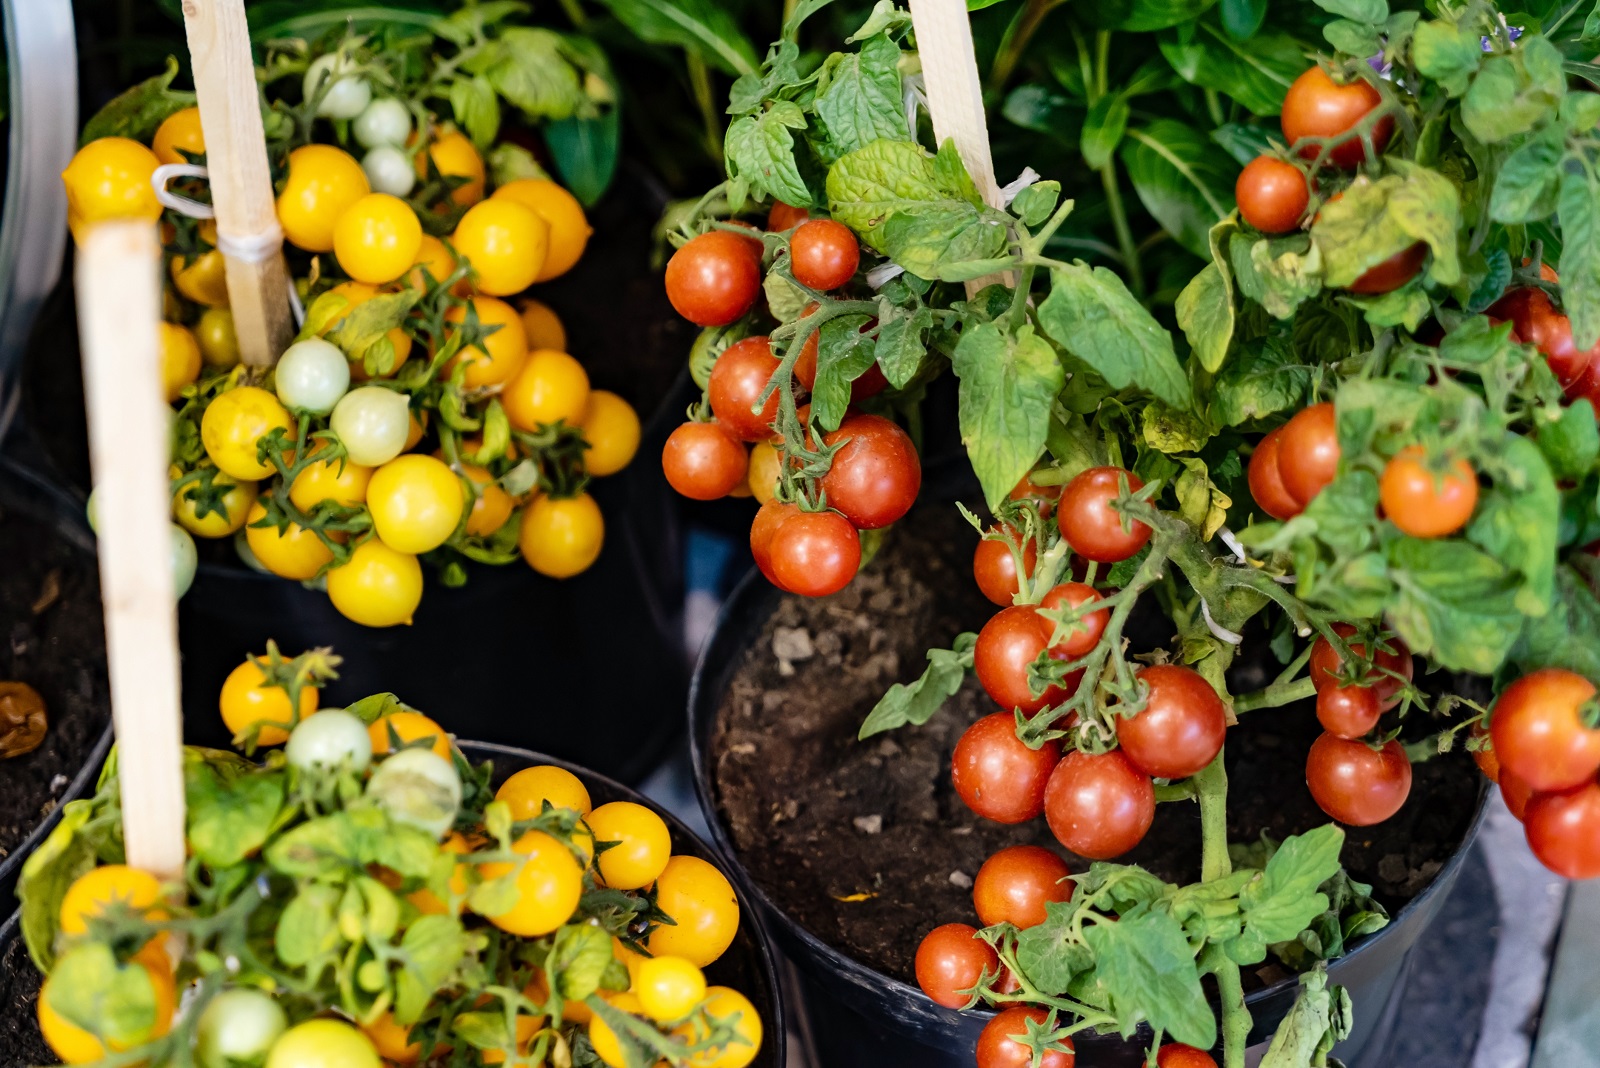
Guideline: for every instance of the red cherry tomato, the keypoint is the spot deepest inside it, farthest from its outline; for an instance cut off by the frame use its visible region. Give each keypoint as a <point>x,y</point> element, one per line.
<point>1423,502</point>
<point>1356,784</point>
<point>1308,452</point>
<point>785,216</point>
<point>997,776</point>
<point>1539,734</point>
<point>1266,482</point>
<point>875,475</point>
<point>824,254</point>
<point>995,568</point>
<point>1539,324</point>
<point>815,553</point>
<point>713,280</point>
<point>1086,635</point>
<point>1515,793</point>
<point>1272,195</point>
<point>1015,884</point>
<point>951,959</point>
<point>1348,711</point>
<point>703,462</point>
<point>1011,640</point>
<point>1181,728</point>
<point>1177,1055</point>
<point>1393,272</point>
<point>769,517</point>
<point>1392,667</point>
<point>753,243</point>
<point>1029,490</point>
<point>1091,526</point>
<point>1099,806</point>
<point>997,1048</point>
<point>1316,106</point>
<point>737,380</point>
<point>1564,830</point>
<point>869,383</point>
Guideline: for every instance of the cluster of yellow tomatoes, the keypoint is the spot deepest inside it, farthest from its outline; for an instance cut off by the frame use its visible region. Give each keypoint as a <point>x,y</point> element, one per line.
<point>528,231</point>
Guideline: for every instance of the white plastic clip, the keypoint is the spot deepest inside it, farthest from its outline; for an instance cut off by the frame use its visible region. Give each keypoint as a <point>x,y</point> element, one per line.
<point>165,173</point>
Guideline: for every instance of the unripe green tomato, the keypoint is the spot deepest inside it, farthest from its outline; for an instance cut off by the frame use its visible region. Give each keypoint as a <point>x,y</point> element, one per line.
<point>373,423</point>
<point>328,739</point>
<point>418,787</point>
<point>311,376</point>
<point>385,121</point>
<point>237,1029</point>
<point>184,561</point>
<point>389,170</point>
<point>349,94</point>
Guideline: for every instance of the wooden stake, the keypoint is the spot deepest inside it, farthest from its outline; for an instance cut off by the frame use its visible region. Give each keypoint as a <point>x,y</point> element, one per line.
<point>119,315</point>
<point>241,181</point>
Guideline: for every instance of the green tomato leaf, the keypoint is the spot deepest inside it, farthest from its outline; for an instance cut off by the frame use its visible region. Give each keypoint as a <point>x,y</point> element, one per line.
<point>1320,1017</point>
<point>1447,52</point>
<point>1264,378</point>
<point>529,67</point>
<point>578,959</point>
<point>760,150</point>
<point>1374,221</point>
<point>1037,202</point>
<point>702,26</point>
<point>1145,15</point>
<point>1353,38</point>
<point>863,100</point>
<point>915,703</point>
<point>430,952</point>
<point>1205,314</point>
<point>1514,92</point>
<point>308,929</point>
<point>1457,605</point>
<point>1529,180</point>
<point>47,875</point>
<point>902,341</point>
<point>1173,430</point>
<point>1049,953</point>
<point>138,112</point>
<point>871,186</point>
<point>1564,636</point>
<point>1148,971</point>
<point>476,108</point>
<point>1569,439</point>
<point>1580,254</point>
<point>1008,385</point>
<point>1279,273</point>
<point>1518,519</point>
<point>1284,898</point>
<point>1091,314</point>
<point>1183,179</point>
<point>116,1002</point>
<point>1407,306</point>
<point>1371,12</point>
<point>951,240</point>
<point>843,354</point>
<point>230,815</point>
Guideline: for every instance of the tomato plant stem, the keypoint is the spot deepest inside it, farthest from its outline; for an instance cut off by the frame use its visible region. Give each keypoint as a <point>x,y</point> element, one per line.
<point>1279,693</point>
<point>700,81</point>
<point>1119,220</point>
<point>1211,785</point>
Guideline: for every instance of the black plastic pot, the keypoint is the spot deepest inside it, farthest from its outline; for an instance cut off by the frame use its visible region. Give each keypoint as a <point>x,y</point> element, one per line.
<point>748,965</point>
<point>861,1018</point>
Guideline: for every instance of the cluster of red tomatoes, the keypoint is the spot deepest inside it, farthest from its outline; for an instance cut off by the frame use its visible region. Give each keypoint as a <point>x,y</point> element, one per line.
<point>874,473</point>
<point>1349,779</point>
<point>1544,751</point>
<point>1425,496</point>
<point>1536,322</point>
<point>1273,193</point>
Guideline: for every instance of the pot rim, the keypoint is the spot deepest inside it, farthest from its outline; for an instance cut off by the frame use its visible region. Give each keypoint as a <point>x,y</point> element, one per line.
<point>700,714</point>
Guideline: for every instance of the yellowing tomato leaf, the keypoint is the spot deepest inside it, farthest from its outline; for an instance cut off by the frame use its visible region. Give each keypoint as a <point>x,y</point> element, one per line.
<point>1008,384</point>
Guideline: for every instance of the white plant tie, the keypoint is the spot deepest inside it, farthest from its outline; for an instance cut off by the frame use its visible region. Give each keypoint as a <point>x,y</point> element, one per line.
<point>165,173</point>
<point>883,274</point>
<point>1021,182</point>
<point>913,97</point>
<point>295,307</point>
<point>251,248</point>
<point>1233,543</point>
<point>1218,629</point>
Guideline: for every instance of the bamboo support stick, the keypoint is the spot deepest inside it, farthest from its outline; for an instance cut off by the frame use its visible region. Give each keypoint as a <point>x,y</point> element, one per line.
<point>241,181</point>
<point>119,315</point>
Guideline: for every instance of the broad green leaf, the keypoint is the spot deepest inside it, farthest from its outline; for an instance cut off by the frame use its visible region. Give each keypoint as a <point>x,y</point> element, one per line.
<point>307,929</point>
<point>1374,221</point>
<point>1257,73</point>
<point>863,101</point>
<point>1036,203</point>
<point>886,17</point>
<point>1284,272</point>
<point>1407,306</point>
<point>1242,142</point>
<point>1321,1016</point>
<point>1526,188</point>
<point>902,343</point>
<point>585,152</point>
<point>1344,512</point>
<point>326,846</point>
<point>1457,605</point>
<point>1091,314</point>
<point>1242,18</point>
<point>1205,314</point>
<point>1173,430</point>
<point>578,959</point>
<point>915,703</point>
<point>1518,520</point>
<point>1564,636</point>
<point>1353,38</point>
<point>228,819</point>
<point>1182,178</point>
<point>1148,970</point>
<point>868,185</point>
<point>529,67</point>
<point>843,354</point>
<point>1008,386</point>
<point>1447,52</point>
<point>1569,439</point>
<point>430,951</point>
<point>115,1001</point>
<point>951,241</point>
<point>1145,15</point>
<point>1262,379</point>
<point>1514,92</point>
<point>1049,953</point>
<point>1279,904</point>
<point>760,150</point>
<point>46,876</point>
<point>703,26</point>
<point>1580,254</point>
<point>1102,132</point>
<point>476,109</point>
<point>1372,12</point>
<point>139,111</point>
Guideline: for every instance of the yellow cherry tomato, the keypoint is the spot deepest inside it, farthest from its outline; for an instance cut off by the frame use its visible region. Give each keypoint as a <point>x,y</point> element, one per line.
<point>179,133</point>
<point>549,884</point>
<point>234,422</point>
<point>245,702</point>
<point>435,257</point>
<point>561,537</point>
<point>202,278</point>
<point>339,481</point>
<point>323,182</point>
<point>377,238</point>
<point>93,892</point>
<point>429,903</point>
<point>630,960</point>
<point>501,354</point>
<point>408,727</point>
<point>527,791</point>
<point>569,228</point>
<point>416,503</point>
<point>604,1040</point>
<point>109,178</point>
<point>506,244</point>
<point>701,901</point>
<point>180,359</point>
<point>727,1005</point>
<point>323,1043</point>
<point>493,505</point>
<point>455,157</point>
<point>551,386</point>
<point>642,844</point>
<point>611,427</point>
<point>542,326</point>
<point>391,1040</point>
<point>378,586</point>
<point>296,553</point>
<point>237,497</point>
<point>358,293</point>
<point>766,466</point>
<point>669,988</point>
<point>219,342</point>
<point>74,1045</point>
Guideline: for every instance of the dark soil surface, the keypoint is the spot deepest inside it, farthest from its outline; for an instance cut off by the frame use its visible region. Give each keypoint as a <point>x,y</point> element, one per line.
<point>20,1042</point>
<point>51,638</point>
<point>867,845</point>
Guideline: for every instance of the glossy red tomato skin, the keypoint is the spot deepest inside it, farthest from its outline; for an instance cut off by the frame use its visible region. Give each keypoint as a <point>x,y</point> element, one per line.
<point>1564,830</point>
<point>875,474</point>
<point>1091,526</point>
<point>1181,728</point>
<point>1538,733</point>
<point>1392,667</point>
<point>1392,273</point>
<point>1348,711</point>
<point>953,958</point>
<point>1272,195</point>
<point>1177,1055</point>
<point>785,216</point>
<point>1073,595</point>
<point>869,383</point>
<point>769,517</point>
<point>997,1049</point>
<point>1515,793</point>
<point>823,254</point>
<point>1356,784</point>
<point>1308,452</point>
<point>1029,490</point>
<point>1015,884</point>
<point>995,568</point>
<point>1099,806</point>
<point>1011,640</point>
<point>997,776</point>
<point>737,380</point>
<point>1537,323</point>
<point>713,279</point>
<point>815,554</point>
<point>1422,502</point>
<point>703,461</point>
<point>1486,759</point>
<point>1315,106</point>
<point>1266,481</point>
